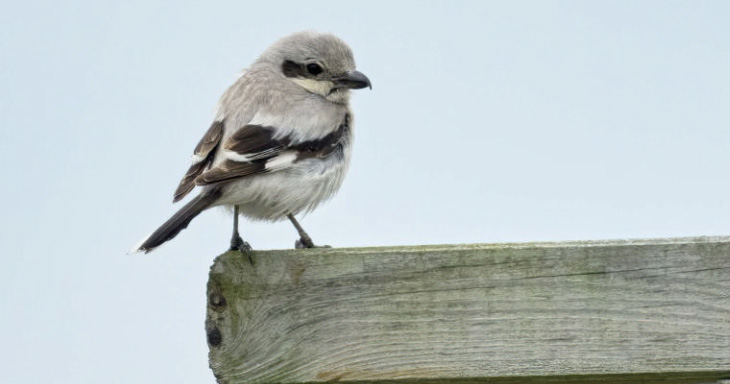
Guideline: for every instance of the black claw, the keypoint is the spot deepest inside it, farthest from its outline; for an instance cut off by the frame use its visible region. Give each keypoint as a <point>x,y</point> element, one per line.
<point>243,247</point>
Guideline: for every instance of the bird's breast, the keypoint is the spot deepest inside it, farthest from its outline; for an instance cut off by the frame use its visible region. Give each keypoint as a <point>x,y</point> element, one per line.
<point>298,189</point>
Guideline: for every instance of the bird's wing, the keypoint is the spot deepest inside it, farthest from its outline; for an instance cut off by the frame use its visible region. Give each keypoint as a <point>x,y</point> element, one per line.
<point>254,149</point>
<point>249,151</point>
<point>202,157</point>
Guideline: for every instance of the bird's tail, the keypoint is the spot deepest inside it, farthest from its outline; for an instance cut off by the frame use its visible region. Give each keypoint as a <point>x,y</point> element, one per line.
<point>178,221</point>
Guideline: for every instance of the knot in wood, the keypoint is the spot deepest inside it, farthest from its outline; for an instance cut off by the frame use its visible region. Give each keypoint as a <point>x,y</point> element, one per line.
<point>217,300</point>
<point>214,336</point>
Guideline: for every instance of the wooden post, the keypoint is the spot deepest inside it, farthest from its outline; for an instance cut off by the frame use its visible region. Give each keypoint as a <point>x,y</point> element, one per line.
<point>624,311</point>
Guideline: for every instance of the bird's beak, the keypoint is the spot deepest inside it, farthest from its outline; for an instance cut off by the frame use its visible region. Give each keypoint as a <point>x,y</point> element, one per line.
<point>353,80</point>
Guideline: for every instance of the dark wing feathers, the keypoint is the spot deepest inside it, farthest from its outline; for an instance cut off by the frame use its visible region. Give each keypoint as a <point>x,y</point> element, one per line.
<point>229,170</point>
<point>249,151</point>
<point>253,146</point>
<point>323,147</point>
<point>255,142</point>
<point>188,181</point>
<point>204,153</point>
<point>212,138</point>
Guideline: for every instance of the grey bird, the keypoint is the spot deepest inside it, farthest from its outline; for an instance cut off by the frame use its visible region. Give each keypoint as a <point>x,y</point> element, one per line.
<point>280,142</point>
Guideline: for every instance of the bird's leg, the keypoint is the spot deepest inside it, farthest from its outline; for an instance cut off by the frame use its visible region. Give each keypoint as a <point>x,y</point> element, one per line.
<point>304,240</point>
<point>237,243</point>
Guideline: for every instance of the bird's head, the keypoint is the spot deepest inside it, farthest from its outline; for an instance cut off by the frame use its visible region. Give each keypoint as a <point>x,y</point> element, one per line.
<point>321,63</point>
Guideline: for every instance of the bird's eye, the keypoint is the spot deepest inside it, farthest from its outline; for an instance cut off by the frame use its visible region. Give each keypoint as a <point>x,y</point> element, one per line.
<point>314,69</point>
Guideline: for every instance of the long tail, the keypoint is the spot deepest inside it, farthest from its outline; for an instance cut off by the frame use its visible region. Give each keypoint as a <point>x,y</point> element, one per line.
<point>178,221</point>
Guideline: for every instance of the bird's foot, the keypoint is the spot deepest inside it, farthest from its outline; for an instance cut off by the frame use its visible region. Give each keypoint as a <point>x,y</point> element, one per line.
<point>306,242</point>
<point>243,247</point>
<point>237,244</point>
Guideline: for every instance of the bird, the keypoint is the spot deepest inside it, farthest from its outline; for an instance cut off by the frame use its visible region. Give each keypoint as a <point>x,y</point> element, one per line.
<point>280,142</point>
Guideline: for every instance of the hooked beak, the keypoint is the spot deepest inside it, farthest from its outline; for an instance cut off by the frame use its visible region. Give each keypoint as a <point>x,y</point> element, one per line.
<point>352,80</point>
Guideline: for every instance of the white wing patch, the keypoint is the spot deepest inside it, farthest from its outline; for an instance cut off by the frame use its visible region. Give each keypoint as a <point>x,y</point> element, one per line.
<point>196,158</point>
<point>248,157</point>
<point>235,156</point>
<point>284,160</point>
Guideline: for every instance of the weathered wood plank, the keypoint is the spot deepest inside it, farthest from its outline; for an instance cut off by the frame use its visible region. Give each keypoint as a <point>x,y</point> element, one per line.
<point>645,310</point>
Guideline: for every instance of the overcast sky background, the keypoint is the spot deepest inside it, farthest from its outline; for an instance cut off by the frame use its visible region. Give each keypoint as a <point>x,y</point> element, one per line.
<point>487,122</point>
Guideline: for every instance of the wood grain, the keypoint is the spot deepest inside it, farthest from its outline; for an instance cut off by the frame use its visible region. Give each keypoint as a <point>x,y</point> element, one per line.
<point>644,310</point>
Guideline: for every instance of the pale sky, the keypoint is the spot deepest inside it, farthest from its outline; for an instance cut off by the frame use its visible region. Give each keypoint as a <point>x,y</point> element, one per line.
<point>487,122</point>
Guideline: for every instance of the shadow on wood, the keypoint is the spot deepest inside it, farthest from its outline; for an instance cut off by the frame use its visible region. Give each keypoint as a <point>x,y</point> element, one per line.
<point>625,311</point>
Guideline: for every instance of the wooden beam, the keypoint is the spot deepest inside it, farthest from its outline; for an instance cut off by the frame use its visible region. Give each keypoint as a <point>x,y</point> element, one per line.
<point>624,311</point>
